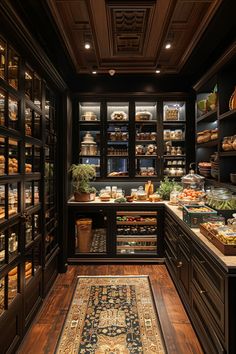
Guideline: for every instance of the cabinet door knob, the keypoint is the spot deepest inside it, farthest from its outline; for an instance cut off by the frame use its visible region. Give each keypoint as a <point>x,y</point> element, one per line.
<point>179,264</point>
<point>202,291</point>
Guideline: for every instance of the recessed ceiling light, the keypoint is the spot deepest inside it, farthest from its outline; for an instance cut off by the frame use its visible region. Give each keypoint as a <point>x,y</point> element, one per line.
<point>87,45</point>
<point>158,71</point>
<point>168,45</point>
<point>94,72</point>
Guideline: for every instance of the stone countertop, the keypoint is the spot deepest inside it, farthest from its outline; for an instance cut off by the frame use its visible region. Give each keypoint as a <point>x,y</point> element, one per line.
<point>228,262</point>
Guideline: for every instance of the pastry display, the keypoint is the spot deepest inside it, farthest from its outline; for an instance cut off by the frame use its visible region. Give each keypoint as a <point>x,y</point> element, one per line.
<point>88,116</point>
<point>118,174</point>
<point>229,143</point>
<point>119,115</point>
<point>203,136</point>
<point>151,149</point>
<point>145,115</point>
<point>171,113</point>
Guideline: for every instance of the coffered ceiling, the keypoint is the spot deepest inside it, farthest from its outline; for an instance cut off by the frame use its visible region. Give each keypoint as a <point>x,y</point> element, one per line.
<point>130,36</point>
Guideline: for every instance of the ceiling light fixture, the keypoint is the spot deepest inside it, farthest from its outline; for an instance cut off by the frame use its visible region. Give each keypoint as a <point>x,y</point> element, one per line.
<point>112,72</point>
<point>87,45</point>
<point>158,71</point>
<point>168,45</point>
<point>94,70</point>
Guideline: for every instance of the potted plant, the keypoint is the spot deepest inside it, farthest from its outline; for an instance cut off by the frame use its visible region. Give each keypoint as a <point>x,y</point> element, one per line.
<point>82,174</point>
<point>166,187</point>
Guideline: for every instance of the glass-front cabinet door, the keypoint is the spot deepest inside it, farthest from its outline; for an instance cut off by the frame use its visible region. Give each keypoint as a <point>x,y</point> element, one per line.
<point>90,139</point>
<point>117,139</point>
<point>146,149</point>
<point>174,131</point>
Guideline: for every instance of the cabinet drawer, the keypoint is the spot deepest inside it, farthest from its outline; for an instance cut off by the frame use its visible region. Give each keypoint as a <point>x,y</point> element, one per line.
<point>210,341</point>
<point>210,271</point>
<point>185,241</point>
<point>213,303</point>
<point>171,257</point>
<point>171,225</point>
<point>171,238</point>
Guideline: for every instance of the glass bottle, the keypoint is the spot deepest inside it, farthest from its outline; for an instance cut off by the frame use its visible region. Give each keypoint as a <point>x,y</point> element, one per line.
<point>12,243</point>
<point>149,188</point>
<point>174,196</point>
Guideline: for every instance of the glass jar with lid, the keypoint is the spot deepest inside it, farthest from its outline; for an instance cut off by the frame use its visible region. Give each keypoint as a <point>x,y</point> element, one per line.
<point>220,199</point>
<point>134,193</point>
<point>193,181</point>
<point>174,196</point>
<point>141,194</point>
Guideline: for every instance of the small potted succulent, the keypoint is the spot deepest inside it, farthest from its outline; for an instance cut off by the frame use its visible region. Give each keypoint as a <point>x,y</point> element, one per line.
<point>82,174</point>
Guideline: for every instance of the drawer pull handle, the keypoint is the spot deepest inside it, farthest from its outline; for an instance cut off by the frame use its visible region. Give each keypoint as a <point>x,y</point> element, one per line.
<point>202,291</point>
<point>179,264</point>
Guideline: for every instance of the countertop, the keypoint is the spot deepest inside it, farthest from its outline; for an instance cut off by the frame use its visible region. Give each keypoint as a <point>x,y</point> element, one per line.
<point>228,262</point>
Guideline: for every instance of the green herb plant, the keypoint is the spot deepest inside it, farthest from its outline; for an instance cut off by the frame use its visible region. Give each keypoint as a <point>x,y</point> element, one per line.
<point>82,174</point>
<point>167,186</point>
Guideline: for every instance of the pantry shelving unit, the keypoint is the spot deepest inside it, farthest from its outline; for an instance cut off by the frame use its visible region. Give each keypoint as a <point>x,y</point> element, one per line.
<point>221,76</point>
<point>28,204</point>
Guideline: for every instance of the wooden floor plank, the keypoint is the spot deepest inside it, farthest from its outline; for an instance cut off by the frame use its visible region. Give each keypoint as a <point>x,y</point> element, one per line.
<point>179,335</point>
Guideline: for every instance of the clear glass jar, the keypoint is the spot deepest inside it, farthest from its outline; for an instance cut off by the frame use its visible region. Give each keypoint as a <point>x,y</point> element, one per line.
<point>141,194</point>
<point>179,151</point>
<point>119,193</point>
<point>108,189</point>
<point>153,135</point>
<point>166,134</point>
<point>113,192</point>
<point>172,172</point>
<point>220,199</point>
<point>174,196</point>
<point>134,193</point>
<point>150,171</point>
<point>173,151</point>
<point>193,181</point>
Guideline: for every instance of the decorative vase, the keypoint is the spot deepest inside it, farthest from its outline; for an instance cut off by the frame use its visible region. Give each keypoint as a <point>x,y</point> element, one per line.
<point>232,100</point>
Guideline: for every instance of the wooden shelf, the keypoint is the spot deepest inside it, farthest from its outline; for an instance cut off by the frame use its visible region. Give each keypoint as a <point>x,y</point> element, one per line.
<point>227,153</point>
<point>171,157</point>
<point>118,122</point>
<point>89,156</point>
<point>149,122</point>
<point>134,223</point>
<point>146,141</point>
<point>208,117</point>
<point>145,156</point>
<point>228,115</point>
<point>208,144</point>
<point>174,122</point>
<point>117,156</point>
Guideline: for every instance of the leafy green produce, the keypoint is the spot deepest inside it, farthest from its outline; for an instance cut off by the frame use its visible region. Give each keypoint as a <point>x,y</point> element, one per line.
<point>120,200</point>
<point>166,187</point>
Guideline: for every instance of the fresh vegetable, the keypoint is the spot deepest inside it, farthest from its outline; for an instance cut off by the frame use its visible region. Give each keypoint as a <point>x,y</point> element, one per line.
<point>166,188</point>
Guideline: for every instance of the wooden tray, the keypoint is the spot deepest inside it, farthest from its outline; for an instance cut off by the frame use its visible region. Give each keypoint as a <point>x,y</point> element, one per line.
<point>227,250</point>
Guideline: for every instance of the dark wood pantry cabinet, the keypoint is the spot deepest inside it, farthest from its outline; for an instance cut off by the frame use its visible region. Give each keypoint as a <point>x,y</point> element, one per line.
<point>29,238</point>
<point>217,120</point>
<point>134,137</point>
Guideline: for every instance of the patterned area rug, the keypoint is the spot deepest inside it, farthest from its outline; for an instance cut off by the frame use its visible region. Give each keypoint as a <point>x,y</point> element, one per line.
<point>112,315</point>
